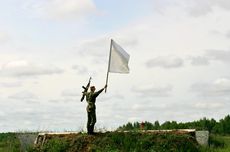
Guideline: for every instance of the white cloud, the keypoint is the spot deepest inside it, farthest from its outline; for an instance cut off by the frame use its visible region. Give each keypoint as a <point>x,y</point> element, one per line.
<point>166,62</point>
<point>10,84</point>
<point>221,3</point>
<point>4,37</point>
<point>219,55</point>
<point>63,9</point>
<point>219,87</point>
<point>209,56</point>
<point>24,95</point>
<point>153,90</point>
<point>80,69</point>
<point>41,116</point>
<point>22,68</point>
<point>228,34</point>
<point>199,60</point>
<point>198,8</point>
<point>95,48</point>
<point>208,105</point>
<point>113,96</point>
<point>70,93</point>
<point>149,108</point>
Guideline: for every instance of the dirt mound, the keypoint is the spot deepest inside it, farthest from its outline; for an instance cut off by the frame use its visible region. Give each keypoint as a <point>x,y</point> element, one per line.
<point>120,141</point>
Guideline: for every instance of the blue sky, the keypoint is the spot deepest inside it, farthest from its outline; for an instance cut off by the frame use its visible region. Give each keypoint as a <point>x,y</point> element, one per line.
<point>179,59</point>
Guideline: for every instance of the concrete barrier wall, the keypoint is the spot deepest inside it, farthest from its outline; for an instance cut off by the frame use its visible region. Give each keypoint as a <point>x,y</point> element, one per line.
<point>202,137</point>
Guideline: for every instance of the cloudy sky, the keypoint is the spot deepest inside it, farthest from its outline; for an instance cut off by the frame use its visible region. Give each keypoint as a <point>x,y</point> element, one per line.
<point>179,58</point>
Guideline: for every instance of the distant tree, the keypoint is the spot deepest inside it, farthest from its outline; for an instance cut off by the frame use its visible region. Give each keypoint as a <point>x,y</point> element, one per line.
<point>221,127</point>
<point>166,125</point>
<point>212,124</point>
<point>218,129</point>
<point>129,126</point>
<point>136,125</point>
<point>226,124</point>
<point>182,125</point>
<point>156,125</point>
<point>174,125</point>
<point>204,124</point>
<point>148,125</point>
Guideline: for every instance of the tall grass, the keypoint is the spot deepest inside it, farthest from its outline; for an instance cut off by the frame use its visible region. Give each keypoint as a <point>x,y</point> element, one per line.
<point>9,142</point>
<point>119,142</point>
<point>123,142</point>
<point>217,143</point>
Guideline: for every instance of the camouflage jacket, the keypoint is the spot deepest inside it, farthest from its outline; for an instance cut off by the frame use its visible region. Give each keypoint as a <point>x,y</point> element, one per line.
<point>91,99</point>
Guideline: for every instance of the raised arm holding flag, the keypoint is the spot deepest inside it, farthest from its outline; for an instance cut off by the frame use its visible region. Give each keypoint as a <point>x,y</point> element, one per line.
<point>118,63</point>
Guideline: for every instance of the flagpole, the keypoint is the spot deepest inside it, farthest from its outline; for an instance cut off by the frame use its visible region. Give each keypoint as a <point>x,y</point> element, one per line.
<point>107,77</point>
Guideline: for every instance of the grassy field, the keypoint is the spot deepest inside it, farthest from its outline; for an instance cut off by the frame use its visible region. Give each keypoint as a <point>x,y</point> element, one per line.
<point>117,142</point>
<point>9,142</point>
<point>218,144</point>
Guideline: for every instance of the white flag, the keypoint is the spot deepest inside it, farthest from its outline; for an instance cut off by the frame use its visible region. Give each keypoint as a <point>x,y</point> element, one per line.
<point>119,59</point>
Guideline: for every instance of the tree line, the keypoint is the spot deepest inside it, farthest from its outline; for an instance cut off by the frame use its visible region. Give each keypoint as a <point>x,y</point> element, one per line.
<point>217,127</point>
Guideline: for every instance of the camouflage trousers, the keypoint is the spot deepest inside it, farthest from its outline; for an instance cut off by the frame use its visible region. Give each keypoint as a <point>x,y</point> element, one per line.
<point>91,121</point>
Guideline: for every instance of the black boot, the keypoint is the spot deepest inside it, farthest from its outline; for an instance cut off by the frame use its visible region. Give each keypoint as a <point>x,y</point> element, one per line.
<point>90,131</point>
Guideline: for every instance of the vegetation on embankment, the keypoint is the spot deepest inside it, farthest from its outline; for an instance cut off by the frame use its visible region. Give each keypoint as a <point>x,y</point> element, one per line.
<point>119,142</point>
<point>123,142</point>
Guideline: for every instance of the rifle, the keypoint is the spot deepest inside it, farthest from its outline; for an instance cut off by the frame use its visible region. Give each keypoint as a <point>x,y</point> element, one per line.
<point>85,89</point>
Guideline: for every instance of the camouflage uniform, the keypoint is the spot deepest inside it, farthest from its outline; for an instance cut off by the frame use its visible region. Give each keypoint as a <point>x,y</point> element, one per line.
<point>91,109</point>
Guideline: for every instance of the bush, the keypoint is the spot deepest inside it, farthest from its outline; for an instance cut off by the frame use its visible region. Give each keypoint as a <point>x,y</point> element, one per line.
<point>123,142</point>
<point>216,142</point>
<point>55,145</point>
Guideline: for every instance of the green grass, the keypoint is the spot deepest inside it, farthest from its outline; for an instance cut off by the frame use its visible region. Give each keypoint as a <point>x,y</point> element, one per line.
<point>120,142</point>
<point>123,142</point>
<point>9,142</point>
<point>218,143</point>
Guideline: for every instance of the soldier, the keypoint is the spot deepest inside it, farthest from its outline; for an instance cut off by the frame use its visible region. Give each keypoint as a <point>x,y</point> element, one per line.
<point>91,108</point>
